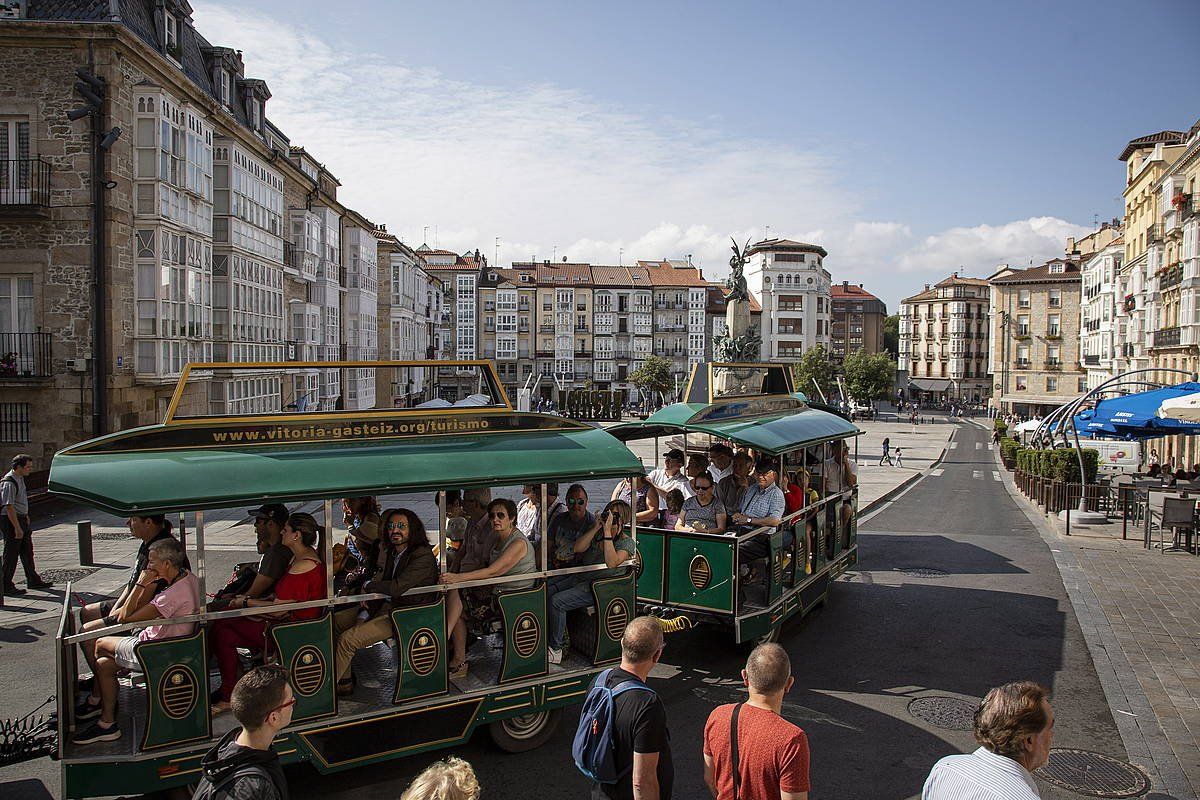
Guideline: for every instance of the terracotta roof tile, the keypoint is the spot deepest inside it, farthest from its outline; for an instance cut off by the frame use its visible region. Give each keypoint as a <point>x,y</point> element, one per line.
<point>675,276</point>
<point>1042,274</point>
<point>767,245</point>
<point>1164,137</point>
<point>851,290</point>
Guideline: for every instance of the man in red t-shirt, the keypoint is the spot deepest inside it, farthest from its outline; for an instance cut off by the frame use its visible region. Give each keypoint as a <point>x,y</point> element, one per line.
<point>772,752</point>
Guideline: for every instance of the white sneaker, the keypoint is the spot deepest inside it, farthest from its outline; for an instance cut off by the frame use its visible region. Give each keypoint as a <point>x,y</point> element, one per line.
<point>553,656</point>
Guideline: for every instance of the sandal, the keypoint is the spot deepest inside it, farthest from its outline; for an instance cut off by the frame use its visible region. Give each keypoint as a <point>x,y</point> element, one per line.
<point>458,670</point>
<point>221,708</point>
<point>345,687</point>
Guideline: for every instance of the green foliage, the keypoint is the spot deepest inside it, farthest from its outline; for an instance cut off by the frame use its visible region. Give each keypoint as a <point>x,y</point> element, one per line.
<point>869,376</point>
<point>1001,426</point>
<point>814,365</point>
<point>891,335</point>
<point>1059,464</point>
<point>1008,451</point>
<point>654,375</point>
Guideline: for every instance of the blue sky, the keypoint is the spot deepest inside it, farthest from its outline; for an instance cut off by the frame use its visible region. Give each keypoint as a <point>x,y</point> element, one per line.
<point>907,138</point>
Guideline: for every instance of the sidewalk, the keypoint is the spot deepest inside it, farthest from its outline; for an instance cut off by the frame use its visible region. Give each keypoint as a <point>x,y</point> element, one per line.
<point>1140,613</point>
<point>57,550</point>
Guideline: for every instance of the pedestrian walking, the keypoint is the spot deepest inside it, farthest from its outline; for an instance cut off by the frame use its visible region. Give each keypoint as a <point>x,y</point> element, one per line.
<point>899,453</point>
<point>750,750</point>
<point>887,454</point>
<point>242,766</point>
<point>448,779</point>
<point>1014,726</point>
<point>622,743</point>
<point>18,533</point>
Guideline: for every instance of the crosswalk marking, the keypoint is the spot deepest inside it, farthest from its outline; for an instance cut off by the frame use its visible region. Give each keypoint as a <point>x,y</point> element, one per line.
<point>953,445</point>
<point>996,476</point>
<point>979,445</point>
<point>977,474</point>
<point>937,472</point>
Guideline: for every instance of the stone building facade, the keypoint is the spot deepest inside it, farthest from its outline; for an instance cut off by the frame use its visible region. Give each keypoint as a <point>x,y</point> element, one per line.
<point>944,342</point>
<point>793,287</point>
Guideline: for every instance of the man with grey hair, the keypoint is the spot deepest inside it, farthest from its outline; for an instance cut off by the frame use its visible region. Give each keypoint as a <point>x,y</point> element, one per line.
<point>641,741</point>
<point>1014,726</point>
<point>750,750</point>
<point>180,598</point>
<point>480,539</point>
<point>18,533</point>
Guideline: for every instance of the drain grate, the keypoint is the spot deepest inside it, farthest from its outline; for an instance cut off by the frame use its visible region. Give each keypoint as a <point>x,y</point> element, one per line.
<point>923,572</point>
<point>1093,774</point>
<point>61,576</point>
<point>950,713</point>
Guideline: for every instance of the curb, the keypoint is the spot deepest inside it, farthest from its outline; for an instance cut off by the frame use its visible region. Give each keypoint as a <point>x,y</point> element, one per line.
<point>899,488</point>
<point>1145,745</point>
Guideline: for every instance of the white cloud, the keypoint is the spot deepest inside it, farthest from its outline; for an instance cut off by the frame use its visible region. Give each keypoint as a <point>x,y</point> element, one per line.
<point>550,171</point>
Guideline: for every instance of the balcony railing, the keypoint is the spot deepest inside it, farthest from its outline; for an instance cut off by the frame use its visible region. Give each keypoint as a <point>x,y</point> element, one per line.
<point>1167,337</point>
<point>1091,361</point>
<point>1171,276</point>
<point>24,183</point>
<point>24,355</point>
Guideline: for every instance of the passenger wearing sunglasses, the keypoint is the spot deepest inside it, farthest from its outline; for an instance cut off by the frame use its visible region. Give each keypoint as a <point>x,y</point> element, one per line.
<point>512,555</point>
<point>243,763</point>
<point>566,528</point>
<point>703,513</point>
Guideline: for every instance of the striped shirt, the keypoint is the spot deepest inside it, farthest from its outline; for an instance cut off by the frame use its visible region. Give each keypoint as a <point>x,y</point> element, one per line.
<point>982,775</point>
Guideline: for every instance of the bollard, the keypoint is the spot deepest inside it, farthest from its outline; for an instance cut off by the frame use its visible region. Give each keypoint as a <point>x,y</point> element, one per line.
<point>84,529</point>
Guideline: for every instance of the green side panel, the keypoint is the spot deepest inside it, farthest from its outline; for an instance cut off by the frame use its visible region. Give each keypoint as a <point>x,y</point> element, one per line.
<point>524,613</point>
<point>775,574</point>
<point>649,566</point>
<point>614,607</point>
<point>818,544</point>
<point>306,651</point>
<point>852,533</point>
<point>833,528</point>
<point>177,687</point>
<point>798,571</point>
<point>421,643</point>
<point>700,573</point>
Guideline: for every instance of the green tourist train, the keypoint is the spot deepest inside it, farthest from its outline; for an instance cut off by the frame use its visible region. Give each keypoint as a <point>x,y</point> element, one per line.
<point>192,465</point>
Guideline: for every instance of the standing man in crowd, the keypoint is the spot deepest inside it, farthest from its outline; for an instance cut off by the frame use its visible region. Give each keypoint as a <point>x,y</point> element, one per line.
<point>641,741</point>
<point>670,476</point>
<point>770,760</point>
<point>18,533</point>
<point>242,766</point>
<point>1014,726</point>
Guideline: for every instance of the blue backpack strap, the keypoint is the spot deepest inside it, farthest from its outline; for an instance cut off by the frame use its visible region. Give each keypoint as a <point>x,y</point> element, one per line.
<point>625,686</point>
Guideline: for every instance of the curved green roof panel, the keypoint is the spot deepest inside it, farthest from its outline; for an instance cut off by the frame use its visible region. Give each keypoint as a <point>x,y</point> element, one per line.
<point>771,425</point>
<point>165,468</point>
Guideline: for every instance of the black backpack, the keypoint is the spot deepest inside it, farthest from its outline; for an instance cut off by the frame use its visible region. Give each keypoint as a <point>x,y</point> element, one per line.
<point>218,790</point>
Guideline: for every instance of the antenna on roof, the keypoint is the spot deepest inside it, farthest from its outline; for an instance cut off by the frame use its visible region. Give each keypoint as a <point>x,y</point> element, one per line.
<point>621,256</point>
<point>496,254</point>
<point>554,253</point>
<point>767,235</point>
<point>437,240</point>
<point>425,235</point>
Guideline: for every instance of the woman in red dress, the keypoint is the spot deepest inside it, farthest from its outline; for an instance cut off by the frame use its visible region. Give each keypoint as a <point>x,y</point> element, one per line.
<point>304,580</point>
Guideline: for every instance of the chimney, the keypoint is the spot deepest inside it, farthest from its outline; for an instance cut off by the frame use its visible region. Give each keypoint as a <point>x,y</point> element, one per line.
<point>927,287</point>
<point>845,285</point>
<point>1070,244</point>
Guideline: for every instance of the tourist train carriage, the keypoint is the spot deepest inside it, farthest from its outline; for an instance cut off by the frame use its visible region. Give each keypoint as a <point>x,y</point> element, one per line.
<point>698,575</point>
<point>198,464</point>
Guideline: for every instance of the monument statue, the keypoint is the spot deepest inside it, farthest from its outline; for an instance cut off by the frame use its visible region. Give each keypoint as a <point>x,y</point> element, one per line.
<point>741,341</point>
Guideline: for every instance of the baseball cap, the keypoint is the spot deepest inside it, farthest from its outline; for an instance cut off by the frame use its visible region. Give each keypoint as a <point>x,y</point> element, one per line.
<point>272,511</point>
<point>674,453</point>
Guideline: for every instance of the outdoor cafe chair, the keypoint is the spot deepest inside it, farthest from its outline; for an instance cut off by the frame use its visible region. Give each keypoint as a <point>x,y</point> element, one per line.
<point>1178,514</point>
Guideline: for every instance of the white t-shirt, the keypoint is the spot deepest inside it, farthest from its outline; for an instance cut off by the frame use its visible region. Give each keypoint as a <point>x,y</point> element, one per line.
<point>835,479</point>
<point>718,473</point>
<point>982,775</point>
<point>665,483</point>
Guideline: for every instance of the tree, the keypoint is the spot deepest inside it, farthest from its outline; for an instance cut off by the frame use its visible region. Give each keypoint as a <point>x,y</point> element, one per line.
<point>814,365</point>
<point>869,376</point>
<point>891,335</point>
<point>654,375</point>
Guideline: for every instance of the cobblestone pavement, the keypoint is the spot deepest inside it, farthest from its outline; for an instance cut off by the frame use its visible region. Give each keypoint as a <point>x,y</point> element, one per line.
<point>1140,613</point>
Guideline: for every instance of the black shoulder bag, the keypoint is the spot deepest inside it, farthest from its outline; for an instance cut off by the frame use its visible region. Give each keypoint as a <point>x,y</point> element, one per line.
<point>733,745</point>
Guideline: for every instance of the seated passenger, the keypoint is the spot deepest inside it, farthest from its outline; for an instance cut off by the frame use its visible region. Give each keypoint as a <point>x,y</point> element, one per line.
<point>647,504</point>
<point>675,501</point>
<point>697,465</point>
<point>512,555</point>
<point>355,559</point>
<point>613,547</point>
<point>456,518</point>
<point>303,581</point>
<point>409,562</point>
<point>480,537</point>
<point>762,506</point>
<point>798,492</point>
<point>566,528</point>
<point>731,488</point>
<point>272,564</point>
<point>180,598</point>
<point>703,513</point>
<point>529,510</point>
<point>139,588</point>
<point>720,457</point>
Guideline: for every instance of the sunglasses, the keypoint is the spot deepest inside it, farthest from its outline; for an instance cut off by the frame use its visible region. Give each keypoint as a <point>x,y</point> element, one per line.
<point>498,515</point>
<point>394,526</point>
<point>702,487</point>
<point>282,706</point>
<point>579,501</point>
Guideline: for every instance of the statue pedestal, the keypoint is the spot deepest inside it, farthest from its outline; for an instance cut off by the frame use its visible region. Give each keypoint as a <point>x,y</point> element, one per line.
<point>737,318</point>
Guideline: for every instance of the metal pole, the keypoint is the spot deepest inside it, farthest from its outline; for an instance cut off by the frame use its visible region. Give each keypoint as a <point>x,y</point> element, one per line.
<point>545,529</point>
<point>442,556</point>
<point>327,506</point>
<point>84,529</point>
<point>200,552</point>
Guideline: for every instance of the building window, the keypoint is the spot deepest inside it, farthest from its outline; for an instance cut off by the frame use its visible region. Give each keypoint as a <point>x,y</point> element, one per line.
<point>171,33</point>
<point>1023,325</point>
<point>1022,383</point>
<point>1023,298</point>
<point>1054,325</point>
<point>1051,384</point>
<point>1055,298</point>
<point>16,304</point>
<point>14,423</point>
<point>1081,387</point>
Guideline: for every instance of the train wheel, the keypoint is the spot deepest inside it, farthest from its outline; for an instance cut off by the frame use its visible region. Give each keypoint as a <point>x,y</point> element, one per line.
<point>526,732</point>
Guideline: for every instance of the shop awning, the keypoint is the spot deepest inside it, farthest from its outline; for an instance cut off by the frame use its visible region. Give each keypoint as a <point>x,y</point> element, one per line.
<point>929,384</point>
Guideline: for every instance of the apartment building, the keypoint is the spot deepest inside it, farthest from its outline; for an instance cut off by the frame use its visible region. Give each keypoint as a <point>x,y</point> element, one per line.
<point>623,323</point>
<point>410,314</point>
<point>1104,348</point>
<point>793,289</point>
<point>944,342</point>
<point>508,299</point>
<point>459,274</point>
<point>855,322</point>
<point>680,298</point>
<point>1035,337</point>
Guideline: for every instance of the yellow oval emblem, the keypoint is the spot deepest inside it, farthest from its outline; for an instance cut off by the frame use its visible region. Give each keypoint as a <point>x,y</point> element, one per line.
<point>177,693</point>
<point>699,572</point>
<point>527,634</point>
<point>308,671</point>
